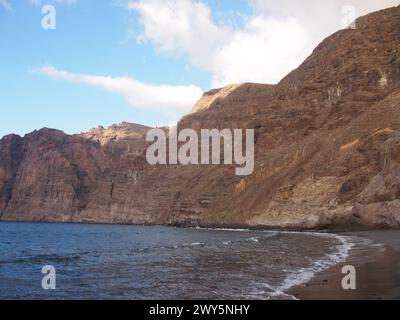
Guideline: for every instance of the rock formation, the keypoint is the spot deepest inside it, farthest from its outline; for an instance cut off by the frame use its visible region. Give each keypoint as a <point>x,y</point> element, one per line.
<point>327,151</point>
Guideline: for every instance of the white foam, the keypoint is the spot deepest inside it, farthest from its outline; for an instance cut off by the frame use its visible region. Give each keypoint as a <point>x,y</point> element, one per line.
<point>254,239</point>
<point>222,229</point>
<point>304,275</point>
<point>197,244</point>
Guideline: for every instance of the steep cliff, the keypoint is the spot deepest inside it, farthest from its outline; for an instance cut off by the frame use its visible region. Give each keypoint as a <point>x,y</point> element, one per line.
<point>327,151</point>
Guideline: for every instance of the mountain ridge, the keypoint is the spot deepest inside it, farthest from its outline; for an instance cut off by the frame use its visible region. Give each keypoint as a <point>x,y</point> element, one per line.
<point>326,151</point>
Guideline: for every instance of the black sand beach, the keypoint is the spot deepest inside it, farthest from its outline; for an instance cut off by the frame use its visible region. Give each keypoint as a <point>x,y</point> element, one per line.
<point>376,257</point>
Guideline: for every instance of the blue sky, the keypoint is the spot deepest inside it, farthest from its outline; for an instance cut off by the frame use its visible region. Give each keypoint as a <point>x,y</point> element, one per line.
<point>143,61</point>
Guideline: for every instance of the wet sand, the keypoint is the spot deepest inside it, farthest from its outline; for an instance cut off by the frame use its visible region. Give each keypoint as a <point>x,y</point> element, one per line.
<point>376,258</point>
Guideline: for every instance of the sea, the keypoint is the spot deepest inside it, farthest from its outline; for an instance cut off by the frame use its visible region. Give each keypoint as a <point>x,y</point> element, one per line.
<point>121,262</point>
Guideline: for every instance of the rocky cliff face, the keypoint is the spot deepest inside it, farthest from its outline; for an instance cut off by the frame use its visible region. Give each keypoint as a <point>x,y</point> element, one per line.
<point>327,151</point>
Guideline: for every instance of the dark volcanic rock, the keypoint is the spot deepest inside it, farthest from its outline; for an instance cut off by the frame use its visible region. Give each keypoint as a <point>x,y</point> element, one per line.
<point>327,151</point>
<point>11,156</point>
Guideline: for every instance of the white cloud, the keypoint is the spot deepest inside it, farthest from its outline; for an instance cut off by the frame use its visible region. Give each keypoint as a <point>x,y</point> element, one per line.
<point>165,99</point>
<point>318,18</point>
<point>181,26</point>
<point>273,40</point>
<point>265,51</point>
<point>276,37</point>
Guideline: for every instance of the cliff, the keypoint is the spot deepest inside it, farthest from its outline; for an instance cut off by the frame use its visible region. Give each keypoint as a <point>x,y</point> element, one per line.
<point>327,151</point>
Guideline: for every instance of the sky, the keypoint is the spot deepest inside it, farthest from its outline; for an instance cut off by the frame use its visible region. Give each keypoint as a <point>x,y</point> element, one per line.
<point>148,61</point>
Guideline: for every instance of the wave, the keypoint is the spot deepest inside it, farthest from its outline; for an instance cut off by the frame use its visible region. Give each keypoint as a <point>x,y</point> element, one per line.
<point>254,239</point>
<point>222,229</point>
<point>304,275</point>
<point>195,244</point>
<point>46,258</point>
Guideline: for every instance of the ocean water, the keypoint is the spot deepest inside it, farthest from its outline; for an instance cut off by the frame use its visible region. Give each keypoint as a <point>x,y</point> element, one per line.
<point>137,262</point>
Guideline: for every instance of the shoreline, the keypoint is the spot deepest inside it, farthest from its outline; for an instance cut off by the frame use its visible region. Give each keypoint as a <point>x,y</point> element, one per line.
<point>330,229</point>
<point>376,258</point>
<point>375,254</point>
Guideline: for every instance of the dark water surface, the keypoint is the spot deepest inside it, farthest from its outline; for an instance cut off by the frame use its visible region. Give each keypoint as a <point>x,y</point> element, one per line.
<point>135,262</point>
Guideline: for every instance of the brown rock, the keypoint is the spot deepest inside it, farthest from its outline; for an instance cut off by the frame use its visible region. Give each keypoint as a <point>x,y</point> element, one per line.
<point>327,151</point>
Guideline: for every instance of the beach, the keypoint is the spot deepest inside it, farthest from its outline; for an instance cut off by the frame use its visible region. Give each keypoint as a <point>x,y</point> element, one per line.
<point>376,258</point>
<point>125,262</point>
<point>157,263</point>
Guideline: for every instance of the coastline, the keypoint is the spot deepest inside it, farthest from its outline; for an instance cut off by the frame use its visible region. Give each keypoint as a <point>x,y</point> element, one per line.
<point>376,258</point>
<point>332,229</point>
<point>374,253</point>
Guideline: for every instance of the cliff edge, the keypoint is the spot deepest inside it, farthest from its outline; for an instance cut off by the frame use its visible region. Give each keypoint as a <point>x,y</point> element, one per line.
<point>327,151</point>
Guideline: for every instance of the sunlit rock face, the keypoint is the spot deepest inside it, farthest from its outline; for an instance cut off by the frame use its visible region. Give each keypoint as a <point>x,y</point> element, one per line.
<point>327,151</point>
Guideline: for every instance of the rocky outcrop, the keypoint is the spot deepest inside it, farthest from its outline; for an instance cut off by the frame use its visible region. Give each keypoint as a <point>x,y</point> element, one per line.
<point>327,151</point>
<point>124,138</point>
<point>213,98</point>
